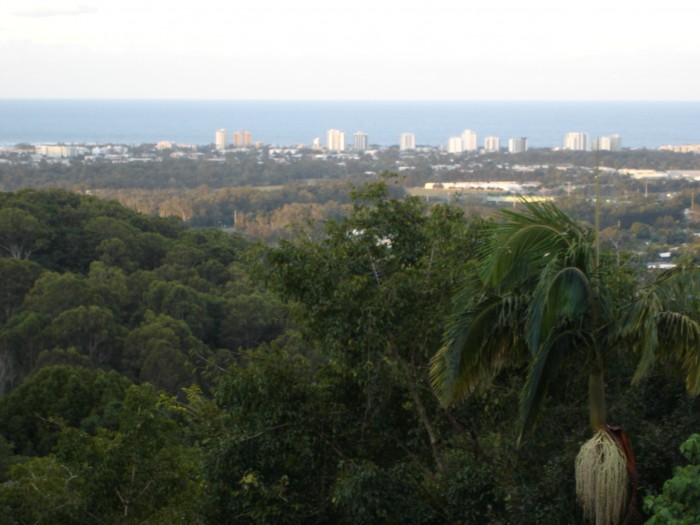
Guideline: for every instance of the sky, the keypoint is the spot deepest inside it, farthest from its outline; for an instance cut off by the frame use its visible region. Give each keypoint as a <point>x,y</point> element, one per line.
<point>353,50</point>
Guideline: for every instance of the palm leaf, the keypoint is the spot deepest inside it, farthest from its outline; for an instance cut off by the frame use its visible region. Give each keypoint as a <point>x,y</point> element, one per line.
<point>663,321</point>
<point>525,242</point>
<point>542,370</point>
<point>479,342</point>
<point>561,294</point>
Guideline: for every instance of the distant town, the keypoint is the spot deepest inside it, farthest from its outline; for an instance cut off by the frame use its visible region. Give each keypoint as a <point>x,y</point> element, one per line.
<point>335,146</point>
<point>265,191</point>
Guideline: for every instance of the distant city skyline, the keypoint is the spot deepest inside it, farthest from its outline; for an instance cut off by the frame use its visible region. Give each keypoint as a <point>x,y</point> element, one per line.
<point>290,123</point>
<point>315,50</point>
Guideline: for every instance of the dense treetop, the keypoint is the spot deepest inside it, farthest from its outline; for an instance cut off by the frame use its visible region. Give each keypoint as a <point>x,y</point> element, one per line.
<point>152,372</point>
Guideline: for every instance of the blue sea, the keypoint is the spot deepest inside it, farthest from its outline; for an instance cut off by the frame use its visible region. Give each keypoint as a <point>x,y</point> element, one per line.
<point>640,124</point>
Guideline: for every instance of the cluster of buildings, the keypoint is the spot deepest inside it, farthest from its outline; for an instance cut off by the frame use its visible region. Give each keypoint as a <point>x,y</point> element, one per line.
<point>335,141</point>
<point>88,153</point>
<point>580,141</point>
<point>239,139</point>
<point>684,148</point>
<point>466,142</point>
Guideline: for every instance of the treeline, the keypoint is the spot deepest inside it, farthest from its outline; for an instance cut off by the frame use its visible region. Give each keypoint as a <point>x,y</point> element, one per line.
<point>261,168</point>
<point>154,373</point>
<point>267,213</point>
<point>255,169</point>
<point>90,281</point>
<point>629,158</point>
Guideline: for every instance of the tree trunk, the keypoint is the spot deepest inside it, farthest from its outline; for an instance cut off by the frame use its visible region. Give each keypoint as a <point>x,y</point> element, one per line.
<point>596,399</point>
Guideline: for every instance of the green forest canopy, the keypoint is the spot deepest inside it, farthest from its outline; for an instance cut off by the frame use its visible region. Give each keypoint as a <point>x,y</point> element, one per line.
<point>155,373</point>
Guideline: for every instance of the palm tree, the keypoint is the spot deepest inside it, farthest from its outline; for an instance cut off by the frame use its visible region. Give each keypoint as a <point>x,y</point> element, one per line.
<point>539,295</point>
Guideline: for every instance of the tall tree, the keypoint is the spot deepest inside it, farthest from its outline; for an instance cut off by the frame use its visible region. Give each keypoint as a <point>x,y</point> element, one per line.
<point>20,233</point>
<point>539,296</point>
<point>373,294</point>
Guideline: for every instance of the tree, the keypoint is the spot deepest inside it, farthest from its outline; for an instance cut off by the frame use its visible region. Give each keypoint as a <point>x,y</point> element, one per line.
<point>271,439</point>
<point>372,294</point>
<point>180,302</point>
<point>158,351</point>
<point>31,415</point>
<point>22,338</point>
<point>92,329</point>
<point>54,293</point>
<point>679,504</point>
<point>18,277</point>
<point>540,296</point>
<point>139,471</point>
<point>20,233</point>
<point>252,319</point>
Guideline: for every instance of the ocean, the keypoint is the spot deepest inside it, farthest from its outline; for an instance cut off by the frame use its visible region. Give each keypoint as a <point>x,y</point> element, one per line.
<point>284,123</point>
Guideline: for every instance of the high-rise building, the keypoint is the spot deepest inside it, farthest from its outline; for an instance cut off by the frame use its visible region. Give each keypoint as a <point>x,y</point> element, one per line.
<point>407,141</point>
<point>607,143</point>
<point>335,140</point>
<point>492,144</point>
<point>220,139</point>
<point>454,145</point>
<point>360,141</point>
<point>517,145</point>
<point>469,140</point>
<point>615,142</point>
<point>577,141</point>
<point>316,143</point>
<point>241,139</point>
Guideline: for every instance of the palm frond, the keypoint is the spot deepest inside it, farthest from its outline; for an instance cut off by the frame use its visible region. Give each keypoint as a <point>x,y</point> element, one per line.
<point>664,321</point>
<point>542,371</point>
<point>479,342</point>
<point>561,293</point>
<point>524,242</point>
<point>680,335</point>
<point>515,255</point>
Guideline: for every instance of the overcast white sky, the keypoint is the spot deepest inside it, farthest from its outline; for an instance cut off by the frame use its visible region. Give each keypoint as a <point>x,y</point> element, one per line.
<point>359,49</point>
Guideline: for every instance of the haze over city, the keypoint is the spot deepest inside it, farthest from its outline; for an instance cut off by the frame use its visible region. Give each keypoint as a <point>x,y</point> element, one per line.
<point>361,50</point>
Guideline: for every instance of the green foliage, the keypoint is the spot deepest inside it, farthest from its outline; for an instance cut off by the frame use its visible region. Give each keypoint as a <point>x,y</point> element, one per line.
<point>541,289</point>
<point>536,291</point>
<point>181,302</point>
<point>664,323</point>
<point>113,267</point>
<point>140,472</point>
<point>91,329</point>
<point>42,491</point>
<point>474,489</point>
<point>55,293</point>
<point>18,277</point>
<point>21,341</point>
<point>373,294</point>
<point>21,233</point>
<point>32,415</point>
<point>250,320</point>
<point>159,351</point>
<point>679,503</point>
<point>271,459</point>
<point>313,410</point>
<point>365,493</point>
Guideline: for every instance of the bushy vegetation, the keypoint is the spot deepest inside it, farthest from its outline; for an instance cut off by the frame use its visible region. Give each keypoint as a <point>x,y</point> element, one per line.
<point>153,373</point>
